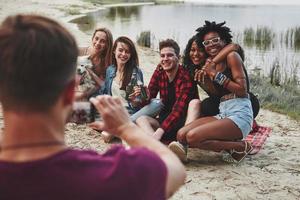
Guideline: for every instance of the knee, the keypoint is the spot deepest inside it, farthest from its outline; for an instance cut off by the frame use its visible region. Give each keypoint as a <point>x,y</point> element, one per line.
<point>181,135</point>
<point>192,137</point>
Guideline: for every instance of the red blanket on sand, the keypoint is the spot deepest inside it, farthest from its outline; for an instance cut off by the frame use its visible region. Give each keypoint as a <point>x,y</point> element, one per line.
<point>257,137</point>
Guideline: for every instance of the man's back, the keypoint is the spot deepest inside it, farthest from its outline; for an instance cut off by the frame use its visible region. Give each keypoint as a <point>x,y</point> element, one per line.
<point>73,174</point>
<point>38,55</point>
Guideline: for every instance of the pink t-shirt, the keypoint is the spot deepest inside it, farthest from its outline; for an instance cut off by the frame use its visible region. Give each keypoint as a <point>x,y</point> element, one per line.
<point>76,174</point>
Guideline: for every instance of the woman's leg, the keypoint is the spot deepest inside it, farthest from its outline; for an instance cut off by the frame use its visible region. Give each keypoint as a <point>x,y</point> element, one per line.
<point>193,111</point>
<point>209,133</point>
<point>223,129</point>
<point>181,134</point>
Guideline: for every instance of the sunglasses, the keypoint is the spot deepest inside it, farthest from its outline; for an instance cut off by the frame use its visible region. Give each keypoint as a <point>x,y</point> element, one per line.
<point>213,41</point>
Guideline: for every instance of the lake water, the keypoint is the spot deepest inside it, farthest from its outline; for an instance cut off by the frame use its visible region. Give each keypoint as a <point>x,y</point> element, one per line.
<point>277,26</point>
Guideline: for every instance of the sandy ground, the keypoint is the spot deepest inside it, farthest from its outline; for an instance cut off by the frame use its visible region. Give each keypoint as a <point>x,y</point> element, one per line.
<point>274,173</point>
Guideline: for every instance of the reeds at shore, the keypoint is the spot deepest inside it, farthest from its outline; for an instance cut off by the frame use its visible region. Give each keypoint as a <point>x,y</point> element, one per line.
<point>277,95</point>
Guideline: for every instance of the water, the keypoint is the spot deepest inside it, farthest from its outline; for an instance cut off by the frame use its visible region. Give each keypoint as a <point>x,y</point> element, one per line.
<point>179,21</point>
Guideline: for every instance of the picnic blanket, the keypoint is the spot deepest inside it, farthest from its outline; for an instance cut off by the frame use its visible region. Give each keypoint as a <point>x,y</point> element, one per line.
<point>257,137</point>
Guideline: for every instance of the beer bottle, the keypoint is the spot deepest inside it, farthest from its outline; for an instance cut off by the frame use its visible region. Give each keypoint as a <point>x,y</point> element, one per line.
<point>130,86</point>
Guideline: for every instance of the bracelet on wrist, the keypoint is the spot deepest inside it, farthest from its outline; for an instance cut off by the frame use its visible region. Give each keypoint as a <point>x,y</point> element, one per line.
<point>226,83</point>
<point>220,78</point>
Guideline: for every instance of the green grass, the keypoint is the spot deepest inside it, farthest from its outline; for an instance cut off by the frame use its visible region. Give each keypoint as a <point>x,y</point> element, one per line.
<point>283,99</point>
<point>292,36</point>
<point>262,37</point>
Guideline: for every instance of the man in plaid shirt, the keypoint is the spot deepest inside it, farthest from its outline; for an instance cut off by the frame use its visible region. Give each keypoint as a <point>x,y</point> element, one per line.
<point>175,86</point>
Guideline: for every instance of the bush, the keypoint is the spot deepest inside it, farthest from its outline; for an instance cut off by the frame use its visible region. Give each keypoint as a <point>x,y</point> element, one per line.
<point>284,99</point>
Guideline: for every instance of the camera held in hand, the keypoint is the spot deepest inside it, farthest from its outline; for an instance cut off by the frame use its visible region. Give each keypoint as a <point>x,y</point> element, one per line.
<point>83,112</point>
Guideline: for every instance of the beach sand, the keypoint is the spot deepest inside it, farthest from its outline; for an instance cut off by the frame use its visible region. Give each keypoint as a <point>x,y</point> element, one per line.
<point>274,173</point>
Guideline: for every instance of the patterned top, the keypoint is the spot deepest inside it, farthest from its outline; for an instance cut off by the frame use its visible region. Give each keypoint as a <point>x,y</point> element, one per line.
<point>183,91</point>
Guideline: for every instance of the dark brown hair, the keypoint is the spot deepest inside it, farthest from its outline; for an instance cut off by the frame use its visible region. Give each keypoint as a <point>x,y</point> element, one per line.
<point>37,60</point>
<point>131,63</point>
<point>169,43</point>
<point>187,62</point>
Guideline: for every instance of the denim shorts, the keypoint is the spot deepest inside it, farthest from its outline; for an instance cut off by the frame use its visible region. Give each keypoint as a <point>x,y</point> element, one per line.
<point>239,110</point>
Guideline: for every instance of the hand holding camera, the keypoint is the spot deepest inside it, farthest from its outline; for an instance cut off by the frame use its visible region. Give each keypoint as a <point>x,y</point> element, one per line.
<point>113,114</point>
<point>82,112</point>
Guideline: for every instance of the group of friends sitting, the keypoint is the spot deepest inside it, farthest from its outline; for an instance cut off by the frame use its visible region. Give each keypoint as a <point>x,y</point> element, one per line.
<point>178,117</point>
<point>39,85</point>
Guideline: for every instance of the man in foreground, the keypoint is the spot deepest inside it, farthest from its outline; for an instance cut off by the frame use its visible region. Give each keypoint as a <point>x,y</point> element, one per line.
<point>37,81</point>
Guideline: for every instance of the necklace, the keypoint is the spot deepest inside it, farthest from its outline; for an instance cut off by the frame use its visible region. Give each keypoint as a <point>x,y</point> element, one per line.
<point>32,145</point>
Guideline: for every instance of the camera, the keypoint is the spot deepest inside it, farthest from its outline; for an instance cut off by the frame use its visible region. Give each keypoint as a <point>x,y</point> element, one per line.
<point>82,112</point>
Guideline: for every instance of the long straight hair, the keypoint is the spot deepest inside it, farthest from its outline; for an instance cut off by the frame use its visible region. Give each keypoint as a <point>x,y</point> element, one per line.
<point>107,55</point>
<point>131,63</point>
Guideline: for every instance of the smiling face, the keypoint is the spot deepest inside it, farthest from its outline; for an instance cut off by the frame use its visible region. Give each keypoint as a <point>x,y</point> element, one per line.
<point>99,42</point>
<point>122,53</point>
<point>214,45</point>
<point>197,55</point>
<point>168,59</point>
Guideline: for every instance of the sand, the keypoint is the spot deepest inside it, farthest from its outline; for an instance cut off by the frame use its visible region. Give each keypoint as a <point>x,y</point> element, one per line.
<point>274,173</point>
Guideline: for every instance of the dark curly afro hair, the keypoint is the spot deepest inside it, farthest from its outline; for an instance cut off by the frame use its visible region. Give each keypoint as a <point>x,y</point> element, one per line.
<point>222,30</point>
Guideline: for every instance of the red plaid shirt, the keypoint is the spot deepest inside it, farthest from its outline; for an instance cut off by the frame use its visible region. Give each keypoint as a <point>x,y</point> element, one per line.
<point>183,91</point>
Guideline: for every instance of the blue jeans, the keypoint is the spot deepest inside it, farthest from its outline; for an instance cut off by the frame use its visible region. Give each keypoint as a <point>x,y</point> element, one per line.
<point>151,110</point>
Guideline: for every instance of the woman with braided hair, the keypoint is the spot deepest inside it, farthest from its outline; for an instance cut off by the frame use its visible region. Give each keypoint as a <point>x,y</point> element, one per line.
<point>228,79</point>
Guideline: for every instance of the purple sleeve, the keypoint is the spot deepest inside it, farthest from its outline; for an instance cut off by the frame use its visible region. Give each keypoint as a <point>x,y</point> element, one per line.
<point>145,170</point>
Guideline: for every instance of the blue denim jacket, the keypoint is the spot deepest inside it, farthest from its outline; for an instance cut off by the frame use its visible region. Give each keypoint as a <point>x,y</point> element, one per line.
<point>111,74</point>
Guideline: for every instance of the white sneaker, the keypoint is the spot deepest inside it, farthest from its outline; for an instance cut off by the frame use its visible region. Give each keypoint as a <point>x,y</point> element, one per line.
<point>179,149</point>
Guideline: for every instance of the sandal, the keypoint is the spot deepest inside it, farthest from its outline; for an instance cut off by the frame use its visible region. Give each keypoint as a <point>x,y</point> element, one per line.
<point>230,158</point>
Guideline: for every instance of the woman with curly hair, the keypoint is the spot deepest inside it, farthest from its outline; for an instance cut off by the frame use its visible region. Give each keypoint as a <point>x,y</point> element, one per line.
<point>228,80</point>
<point>193,60</point>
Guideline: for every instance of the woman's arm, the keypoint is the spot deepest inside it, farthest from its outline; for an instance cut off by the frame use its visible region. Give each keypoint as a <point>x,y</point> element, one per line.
<point>224,52</point>
<point>211,63</point>
<point>239,83</point>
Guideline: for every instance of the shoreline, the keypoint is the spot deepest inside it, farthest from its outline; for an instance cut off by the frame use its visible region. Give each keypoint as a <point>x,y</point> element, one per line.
<point>271,174</point>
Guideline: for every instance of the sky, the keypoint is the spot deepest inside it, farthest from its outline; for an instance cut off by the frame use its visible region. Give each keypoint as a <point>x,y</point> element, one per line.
<point>250,2</point>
